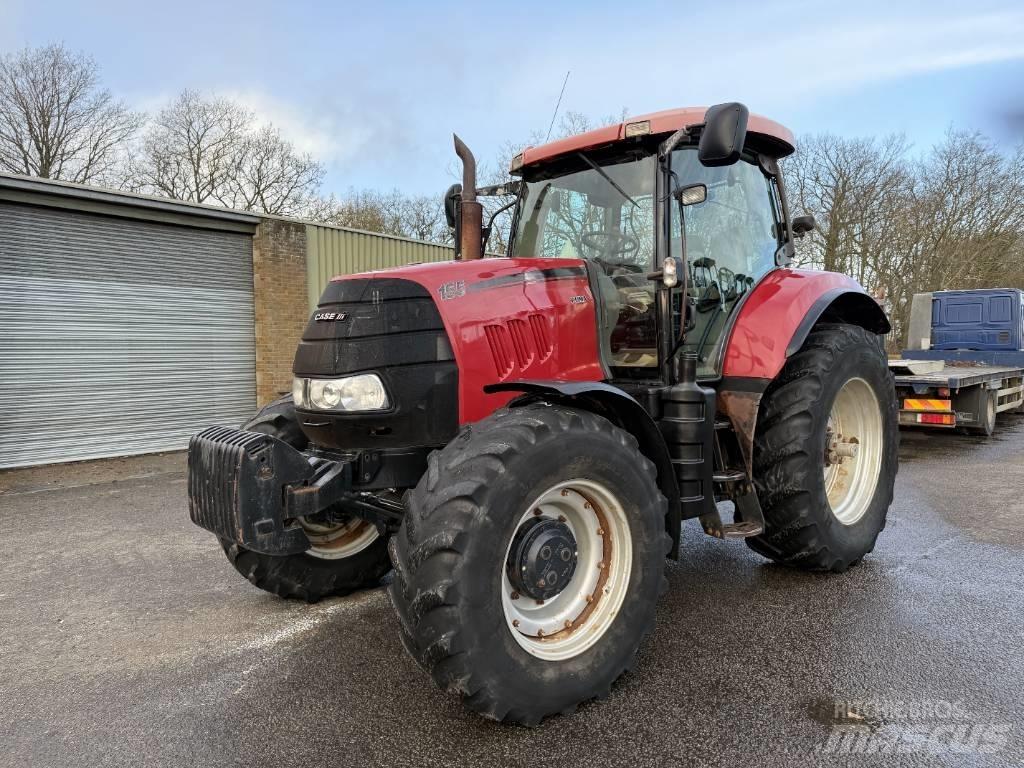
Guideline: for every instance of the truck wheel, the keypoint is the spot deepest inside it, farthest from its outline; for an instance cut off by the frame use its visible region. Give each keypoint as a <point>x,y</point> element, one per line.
<point>987,414</point>
<point>344,557</point>
<point>530,560</point>
<point>825,451</point>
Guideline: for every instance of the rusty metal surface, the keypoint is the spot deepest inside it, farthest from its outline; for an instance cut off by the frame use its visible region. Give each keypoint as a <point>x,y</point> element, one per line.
<point>741,409</point>
<point>472,224</point>
<point>472,211</point>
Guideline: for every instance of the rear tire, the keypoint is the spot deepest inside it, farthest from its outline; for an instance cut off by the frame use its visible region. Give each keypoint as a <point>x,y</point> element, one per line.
<point>988,417</point>
<point>457,613</point>
<point>324,570</point>
<point>823,512</point>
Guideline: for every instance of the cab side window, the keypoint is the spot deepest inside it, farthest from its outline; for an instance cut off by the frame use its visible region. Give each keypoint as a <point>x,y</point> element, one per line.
<point>731,242</point>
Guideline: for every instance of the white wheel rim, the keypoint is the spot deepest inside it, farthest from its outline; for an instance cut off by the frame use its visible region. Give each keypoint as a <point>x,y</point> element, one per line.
<point>569,623</point>
<point>334,542</point>
<point>854,426</point>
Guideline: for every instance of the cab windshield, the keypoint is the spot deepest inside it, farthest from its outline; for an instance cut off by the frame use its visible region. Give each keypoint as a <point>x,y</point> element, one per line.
<point>606,217</point>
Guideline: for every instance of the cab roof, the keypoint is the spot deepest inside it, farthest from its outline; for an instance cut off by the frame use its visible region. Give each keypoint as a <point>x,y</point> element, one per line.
<point>763,134</point>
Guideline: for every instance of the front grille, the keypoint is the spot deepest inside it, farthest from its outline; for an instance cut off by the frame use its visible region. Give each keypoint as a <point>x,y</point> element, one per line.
<point>363,324</point>
<point>391,327</point>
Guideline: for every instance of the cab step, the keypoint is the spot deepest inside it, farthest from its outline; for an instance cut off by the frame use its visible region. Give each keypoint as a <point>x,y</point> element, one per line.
<point>741,530</point>
<point>729,476</point>
<point>748,519</point>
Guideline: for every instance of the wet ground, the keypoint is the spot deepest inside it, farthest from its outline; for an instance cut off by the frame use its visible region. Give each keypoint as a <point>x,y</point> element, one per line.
<point>126,639</point>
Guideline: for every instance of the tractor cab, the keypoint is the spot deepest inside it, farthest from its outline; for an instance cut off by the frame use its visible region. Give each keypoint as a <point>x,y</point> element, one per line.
<point>602,208</point>
<point>610,197</point>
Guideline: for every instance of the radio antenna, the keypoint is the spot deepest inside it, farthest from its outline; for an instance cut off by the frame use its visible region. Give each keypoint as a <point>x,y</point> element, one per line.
<point>557,105</point>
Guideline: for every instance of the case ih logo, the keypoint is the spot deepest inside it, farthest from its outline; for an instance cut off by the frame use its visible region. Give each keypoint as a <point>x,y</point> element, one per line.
<point>330,317</point>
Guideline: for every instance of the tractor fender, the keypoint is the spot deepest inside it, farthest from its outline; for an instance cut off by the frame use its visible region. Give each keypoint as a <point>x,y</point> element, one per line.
<point>779,313</point>
<point>773,323</point>
<point>622,410</point>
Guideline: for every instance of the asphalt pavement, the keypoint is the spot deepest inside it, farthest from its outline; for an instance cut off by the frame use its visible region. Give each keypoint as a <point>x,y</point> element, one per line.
<point>127,639</point>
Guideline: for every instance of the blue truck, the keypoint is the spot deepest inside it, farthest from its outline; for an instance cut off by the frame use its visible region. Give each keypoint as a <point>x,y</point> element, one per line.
<point>964,361</point>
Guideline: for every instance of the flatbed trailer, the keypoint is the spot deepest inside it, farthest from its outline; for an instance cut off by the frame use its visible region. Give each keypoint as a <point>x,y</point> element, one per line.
<point>946,391</point>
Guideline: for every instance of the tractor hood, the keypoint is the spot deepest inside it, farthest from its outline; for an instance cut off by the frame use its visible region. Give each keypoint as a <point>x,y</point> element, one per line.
<point>438,333</point>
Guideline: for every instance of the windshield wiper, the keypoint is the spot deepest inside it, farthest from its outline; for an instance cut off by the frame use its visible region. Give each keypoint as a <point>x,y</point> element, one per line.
<point>607,178</point>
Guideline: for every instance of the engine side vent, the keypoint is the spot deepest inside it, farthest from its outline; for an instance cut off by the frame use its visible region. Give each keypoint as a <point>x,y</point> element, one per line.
<point>517,344</point>
<point>501,350</point>
<point>541,337</point>
<point>522,342</point>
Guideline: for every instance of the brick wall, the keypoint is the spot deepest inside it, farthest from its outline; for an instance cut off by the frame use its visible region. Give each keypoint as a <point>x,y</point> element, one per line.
<point>279,296</point>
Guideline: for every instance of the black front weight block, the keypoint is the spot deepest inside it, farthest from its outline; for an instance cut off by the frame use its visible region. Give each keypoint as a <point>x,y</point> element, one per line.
<point>248,487</point>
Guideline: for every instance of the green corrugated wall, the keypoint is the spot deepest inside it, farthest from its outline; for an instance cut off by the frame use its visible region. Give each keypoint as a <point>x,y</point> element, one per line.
<point>332,251</point>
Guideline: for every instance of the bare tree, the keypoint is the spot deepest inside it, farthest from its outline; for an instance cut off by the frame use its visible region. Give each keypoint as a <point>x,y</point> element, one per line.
<point>951,219</point>
<point>270,176</point>
<point>56,122</point>
<point>393,213</point>
<point>368,210</point>
<point>423,219</point>
<point>191,149</point>
<point>210,150</point>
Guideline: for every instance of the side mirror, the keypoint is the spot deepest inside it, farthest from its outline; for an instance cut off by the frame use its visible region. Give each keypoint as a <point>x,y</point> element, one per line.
<point>725,130</point>
<point>692,194</point>
<point>452,198</point>
<point>801,225</point>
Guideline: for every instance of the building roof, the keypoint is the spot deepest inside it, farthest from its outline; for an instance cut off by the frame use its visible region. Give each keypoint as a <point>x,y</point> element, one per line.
<point>81,197</point>
<point>776,139</point>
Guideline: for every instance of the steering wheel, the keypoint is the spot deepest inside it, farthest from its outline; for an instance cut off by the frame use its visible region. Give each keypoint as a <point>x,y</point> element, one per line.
<point>609,243</point>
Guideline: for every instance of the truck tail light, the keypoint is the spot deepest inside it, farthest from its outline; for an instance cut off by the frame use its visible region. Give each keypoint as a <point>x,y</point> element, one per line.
<point>947,419</point>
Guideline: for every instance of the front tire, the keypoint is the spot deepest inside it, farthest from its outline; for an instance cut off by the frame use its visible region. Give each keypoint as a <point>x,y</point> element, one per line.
<point>344,557</point>
<point>825,451</point>
<point>513,656</point>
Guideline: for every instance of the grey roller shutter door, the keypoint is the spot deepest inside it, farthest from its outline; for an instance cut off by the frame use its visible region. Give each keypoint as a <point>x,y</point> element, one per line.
<point>118,336</point>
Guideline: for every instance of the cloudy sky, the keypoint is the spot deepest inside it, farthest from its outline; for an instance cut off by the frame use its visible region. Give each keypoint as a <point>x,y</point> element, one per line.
<point>375,89</point>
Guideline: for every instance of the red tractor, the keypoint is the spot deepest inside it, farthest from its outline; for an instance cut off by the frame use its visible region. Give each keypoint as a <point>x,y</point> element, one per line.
<point>519,438</point>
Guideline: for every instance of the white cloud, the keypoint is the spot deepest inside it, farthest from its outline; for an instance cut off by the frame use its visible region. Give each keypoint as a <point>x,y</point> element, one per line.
<point>769,56</point>
<point>852,54</point>
<point>311,130</point>
<point>322,134</point>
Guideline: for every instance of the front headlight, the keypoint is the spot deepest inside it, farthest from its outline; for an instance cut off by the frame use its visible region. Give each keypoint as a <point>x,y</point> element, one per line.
<point>364,392</point>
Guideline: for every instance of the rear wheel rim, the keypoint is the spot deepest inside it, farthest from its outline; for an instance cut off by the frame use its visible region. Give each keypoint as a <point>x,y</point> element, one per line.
<point>572,621</point>
<point>854,427</point>
<point>340,540</point>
